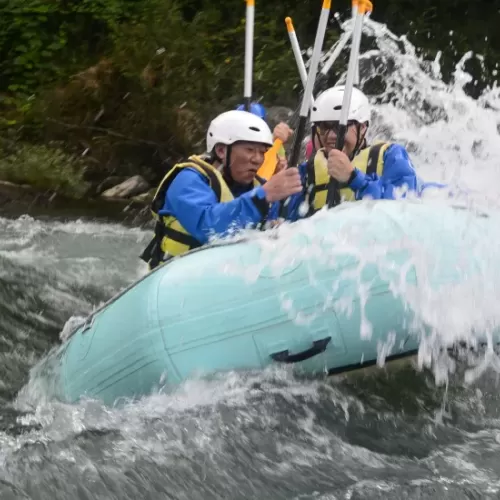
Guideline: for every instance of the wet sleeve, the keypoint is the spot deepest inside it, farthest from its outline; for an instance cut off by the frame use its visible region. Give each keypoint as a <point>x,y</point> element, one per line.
<point>398,172</point>
<point>191,200</point>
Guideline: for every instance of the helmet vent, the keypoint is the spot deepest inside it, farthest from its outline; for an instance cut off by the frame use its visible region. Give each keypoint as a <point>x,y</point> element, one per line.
<point>337,108</point>
<point>255,129</point>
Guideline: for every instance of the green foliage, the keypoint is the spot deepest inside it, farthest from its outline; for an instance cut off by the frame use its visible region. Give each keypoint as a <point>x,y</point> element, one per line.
<point>44,168</point>
<point>165,76</point>
<point>135,82</point>
<point>201,59</point>
<point>43,40</point>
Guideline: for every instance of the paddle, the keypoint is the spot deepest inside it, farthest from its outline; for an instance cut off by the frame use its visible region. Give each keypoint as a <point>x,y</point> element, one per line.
<point>249,26</point>
<point>270,162</point>
<point>269,166</point>
<point>297,53</point>
<point>344,38</point>
<point>338,48</point>
<point>323,73</point>
<point>306,100</point>
<point>367,14</point>
<point>356,70</point>
<point>333,195</point>
<point>311,77</point>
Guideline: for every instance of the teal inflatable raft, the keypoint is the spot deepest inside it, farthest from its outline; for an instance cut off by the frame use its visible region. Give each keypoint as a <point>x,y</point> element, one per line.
<point>324,295</point>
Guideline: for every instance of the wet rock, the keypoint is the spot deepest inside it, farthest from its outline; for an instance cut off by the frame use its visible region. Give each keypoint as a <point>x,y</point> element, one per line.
<point>108,183</point>
<point>145,198</point>
<point>10,192</point>
<point>131,187</point>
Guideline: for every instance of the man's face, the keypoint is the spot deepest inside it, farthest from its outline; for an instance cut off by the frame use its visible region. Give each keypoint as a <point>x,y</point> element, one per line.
<point>246,159</point>
<point>328,131</point>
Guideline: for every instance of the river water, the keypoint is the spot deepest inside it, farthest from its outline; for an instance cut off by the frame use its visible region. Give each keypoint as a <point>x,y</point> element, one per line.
<point>384,434</point>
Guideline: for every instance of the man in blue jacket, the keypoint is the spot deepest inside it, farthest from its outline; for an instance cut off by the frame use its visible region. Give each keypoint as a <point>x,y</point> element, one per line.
<point>378,171</point>
<point>220,193</point>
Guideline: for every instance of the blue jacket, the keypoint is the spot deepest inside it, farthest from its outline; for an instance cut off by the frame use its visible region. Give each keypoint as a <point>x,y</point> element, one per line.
<point>398,171</point>
<point>193,202</point>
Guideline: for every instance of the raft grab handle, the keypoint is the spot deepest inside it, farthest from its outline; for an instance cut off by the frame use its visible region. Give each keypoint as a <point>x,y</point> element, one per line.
<point>318,347</point>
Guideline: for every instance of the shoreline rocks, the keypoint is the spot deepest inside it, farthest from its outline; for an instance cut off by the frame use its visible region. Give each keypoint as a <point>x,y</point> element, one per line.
<point>133,186</point>
<point>17,199</point>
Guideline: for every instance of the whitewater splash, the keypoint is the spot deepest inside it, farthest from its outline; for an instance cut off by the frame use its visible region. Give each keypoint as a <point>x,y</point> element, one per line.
<point>452,139</point>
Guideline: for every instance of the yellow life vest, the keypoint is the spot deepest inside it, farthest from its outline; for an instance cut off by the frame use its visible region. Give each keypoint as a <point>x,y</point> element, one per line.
<point>369,160</point>
<point>171,239</point>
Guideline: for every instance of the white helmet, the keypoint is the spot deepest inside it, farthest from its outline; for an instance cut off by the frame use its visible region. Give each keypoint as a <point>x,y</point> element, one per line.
<point>328,105</point>
<point>235,125</point>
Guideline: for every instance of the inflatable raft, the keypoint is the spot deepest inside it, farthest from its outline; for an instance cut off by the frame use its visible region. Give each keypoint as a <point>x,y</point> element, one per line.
<point>324,295</point>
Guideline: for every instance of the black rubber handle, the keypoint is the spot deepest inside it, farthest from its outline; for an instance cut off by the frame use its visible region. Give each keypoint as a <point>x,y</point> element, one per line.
<point>318,347</point>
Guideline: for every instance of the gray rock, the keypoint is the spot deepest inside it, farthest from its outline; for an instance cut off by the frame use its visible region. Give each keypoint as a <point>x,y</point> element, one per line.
<point>131,187</point>
<point>109,182</point>
<point>146,197</point>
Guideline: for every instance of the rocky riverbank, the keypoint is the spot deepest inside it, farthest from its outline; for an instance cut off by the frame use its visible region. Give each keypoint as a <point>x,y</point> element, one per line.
<point>45,179</point>
<point>17,199</point>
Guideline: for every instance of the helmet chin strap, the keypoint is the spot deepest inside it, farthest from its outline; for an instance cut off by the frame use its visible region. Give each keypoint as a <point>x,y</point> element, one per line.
<point>226,163</point>
<point>314,133</point>
<point>226,170</point>
<point>360,141</point>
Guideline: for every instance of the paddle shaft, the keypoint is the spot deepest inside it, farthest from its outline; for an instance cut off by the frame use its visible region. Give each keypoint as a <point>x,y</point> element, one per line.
<point>333,194</point>
<point>311,77</point>
<point>306,100</point>
<point>356,70</point>
<point>249,28</point>
<point>298,54</point>
<point>341,43</point>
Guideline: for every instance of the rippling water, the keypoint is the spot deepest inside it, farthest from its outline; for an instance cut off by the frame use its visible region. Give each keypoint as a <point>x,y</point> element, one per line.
<point>380,434</point>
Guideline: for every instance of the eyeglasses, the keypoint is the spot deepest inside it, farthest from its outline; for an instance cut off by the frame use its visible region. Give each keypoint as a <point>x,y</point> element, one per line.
<point>333,126</point>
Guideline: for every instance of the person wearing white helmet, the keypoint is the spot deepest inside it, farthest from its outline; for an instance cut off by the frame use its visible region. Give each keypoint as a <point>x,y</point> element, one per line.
<point>218,193</point>
<point>361,170</point>
<point>277,154</point>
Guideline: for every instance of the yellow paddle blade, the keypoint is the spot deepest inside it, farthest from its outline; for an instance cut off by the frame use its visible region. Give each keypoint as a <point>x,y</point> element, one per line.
<point>270,160</point>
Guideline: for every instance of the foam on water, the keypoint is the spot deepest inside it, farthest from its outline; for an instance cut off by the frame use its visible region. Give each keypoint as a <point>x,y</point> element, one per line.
<point>50,271</point>
<point>240,434</point>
